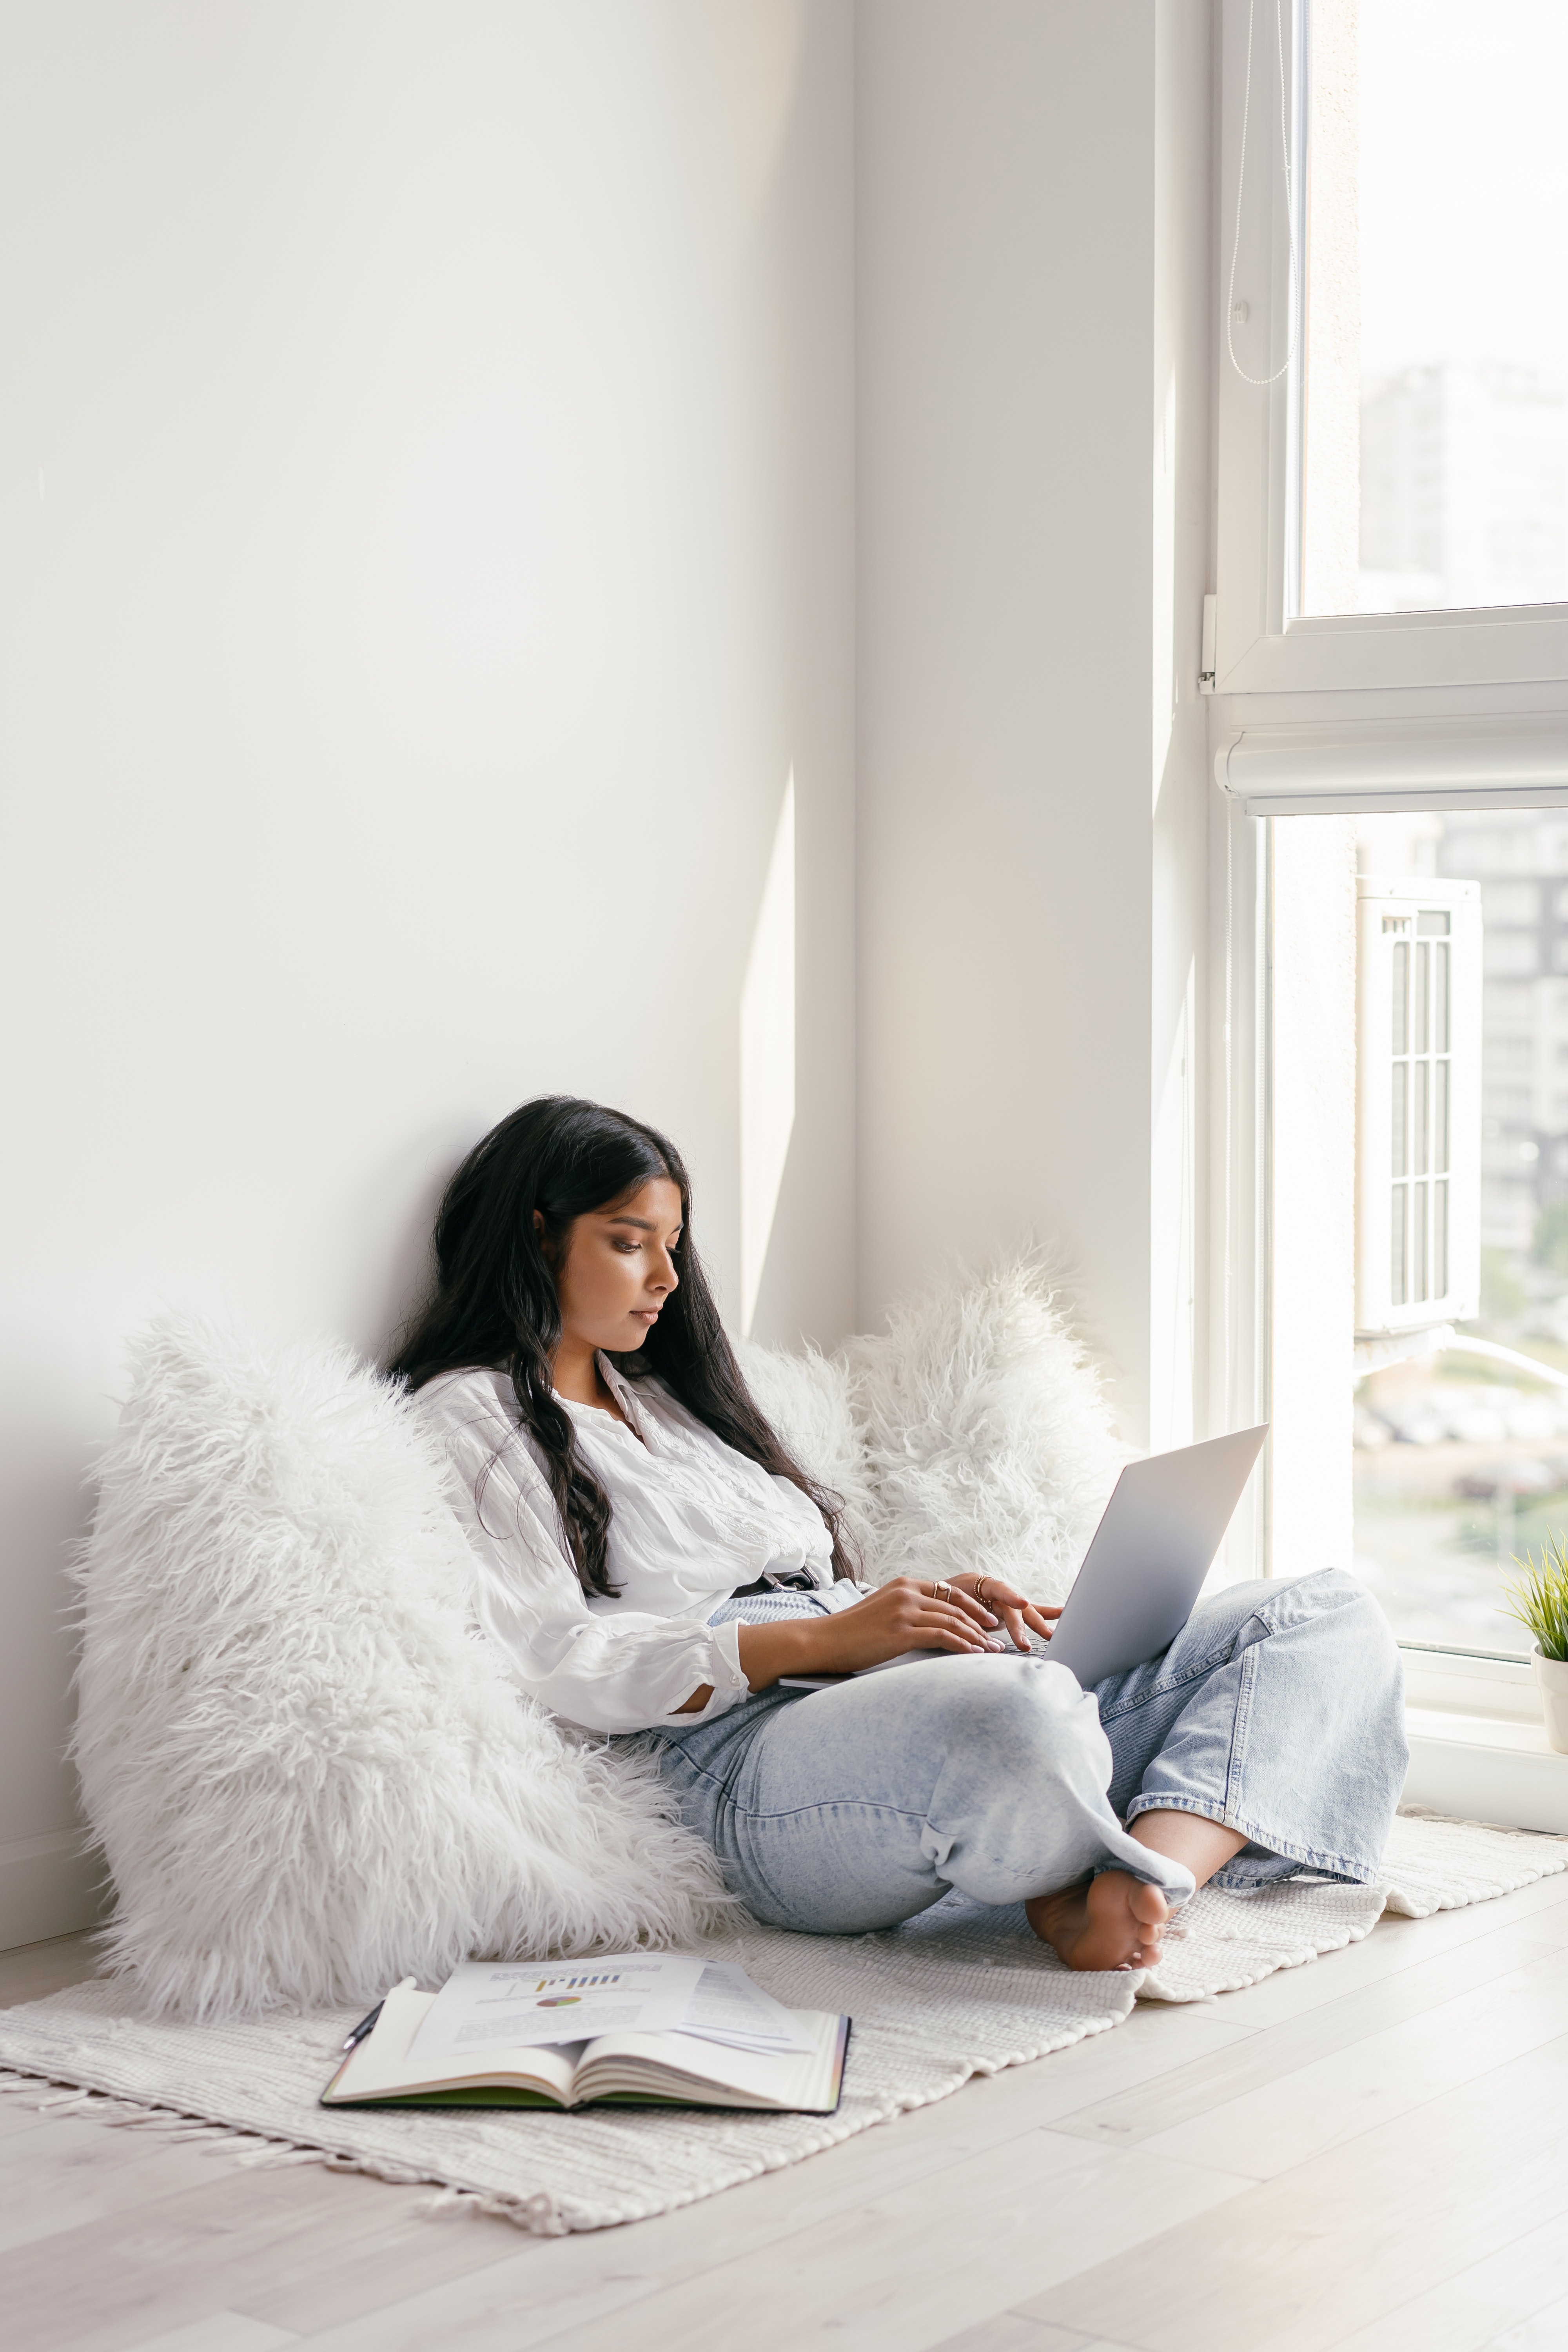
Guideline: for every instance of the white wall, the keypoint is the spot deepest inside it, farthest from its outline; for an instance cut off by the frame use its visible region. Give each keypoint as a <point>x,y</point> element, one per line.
<point>1033,236</point>
<point>426,553</point>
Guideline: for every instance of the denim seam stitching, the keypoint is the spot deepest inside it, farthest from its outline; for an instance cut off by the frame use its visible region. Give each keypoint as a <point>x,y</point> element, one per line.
<point>748,1855</point>
<point>702,1771</point>
<point>1172,1683</point>
<point>1240,1723</point>
<point>839,1804</point>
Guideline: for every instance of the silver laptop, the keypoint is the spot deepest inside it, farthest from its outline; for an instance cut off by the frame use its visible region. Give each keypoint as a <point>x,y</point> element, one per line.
<point>1145,1566</point>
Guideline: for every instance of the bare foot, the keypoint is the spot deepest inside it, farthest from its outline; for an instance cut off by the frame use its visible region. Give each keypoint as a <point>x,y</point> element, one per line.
<point>1113,1921</point>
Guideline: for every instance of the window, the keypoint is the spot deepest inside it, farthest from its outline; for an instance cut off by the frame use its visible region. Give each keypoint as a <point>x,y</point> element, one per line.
<point>1440,421</point>
<point>1392,379</point>
<point>1424,1332</point>
<point>1387,651</point>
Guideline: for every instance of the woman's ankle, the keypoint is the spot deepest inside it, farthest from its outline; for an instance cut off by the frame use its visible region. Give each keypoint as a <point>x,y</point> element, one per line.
<point>1198,1843</point>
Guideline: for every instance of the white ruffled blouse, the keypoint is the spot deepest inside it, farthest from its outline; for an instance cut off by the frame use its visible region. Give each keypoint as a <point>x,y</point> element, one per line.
<point>691,1521</point>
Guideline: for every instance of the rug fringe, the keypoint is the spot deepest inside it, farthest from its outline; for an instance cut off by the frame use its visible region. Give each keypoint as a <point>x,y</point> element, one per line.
<point>539,2214</point>
<point>252,2151</point>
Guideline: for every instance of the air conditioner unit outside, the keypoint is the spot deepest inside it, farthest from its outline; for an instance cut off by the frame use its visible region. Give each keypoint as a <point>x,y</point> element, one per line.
<point>1419,1103</point>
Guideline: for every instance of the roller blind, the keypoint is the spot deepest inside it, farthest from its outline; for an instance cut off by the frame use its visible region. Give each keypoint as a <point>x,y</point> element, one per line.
<point>1396,763</point>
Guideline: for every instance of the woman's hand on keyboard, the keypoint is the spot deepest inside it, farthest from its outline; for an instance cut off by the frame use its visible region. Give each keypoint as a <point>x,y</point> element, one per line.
<point>1020,1615</point>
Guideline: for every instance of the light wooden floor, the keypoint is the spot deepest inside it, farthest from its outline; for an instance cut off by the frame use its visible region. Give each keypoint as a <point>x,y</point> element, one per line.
<point>1370,2153</point>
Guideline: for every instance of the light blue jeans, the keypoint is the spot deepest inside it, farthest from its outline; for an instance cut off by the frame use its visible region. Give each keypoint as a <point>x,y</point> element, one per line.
<point>1279,1710</point>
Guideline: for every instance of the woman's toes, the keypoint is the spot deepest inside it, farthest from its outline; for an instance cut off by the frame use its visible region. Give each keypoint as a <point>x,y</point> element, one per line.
<point>1147,1905</point>
<point>1117,1921</point>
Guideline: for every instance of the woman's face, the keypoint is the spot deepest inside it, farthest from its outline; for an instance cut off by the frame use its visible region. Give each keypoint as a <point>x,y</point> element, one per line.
<point>617,1270</point>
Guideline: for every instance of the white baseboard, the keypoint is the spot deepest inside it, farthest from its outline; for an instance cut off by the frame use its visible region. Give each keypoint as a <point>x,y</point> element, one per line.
<point>1485,1771</point>
<point>49,1886</point>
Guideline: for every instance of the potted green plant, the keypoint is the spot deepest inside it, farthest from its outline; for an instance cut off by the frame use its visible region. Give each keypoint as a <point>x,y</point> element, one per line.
<point>1540,1601</point>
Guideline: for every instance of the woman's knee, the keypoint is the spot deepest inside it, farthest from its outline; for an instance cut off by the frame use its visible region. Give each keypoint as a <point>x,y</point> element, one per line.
<point>1335,1595</point>
<point>1338,1644</point>
<point>1377,1645</point>
<point>1024,1714</point>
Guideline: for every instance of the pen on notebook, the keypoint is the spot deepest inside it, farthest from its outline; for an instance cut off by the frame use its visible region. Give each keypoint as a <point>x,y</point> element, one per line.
<point>404,1984</point>
<point>363,2027</point>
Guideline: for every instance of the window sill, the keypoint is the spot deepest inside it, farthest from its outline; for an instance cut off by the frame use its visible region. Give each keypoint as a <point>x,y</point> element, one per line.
<point>1486,1767</point>
<point>1441,1682</point>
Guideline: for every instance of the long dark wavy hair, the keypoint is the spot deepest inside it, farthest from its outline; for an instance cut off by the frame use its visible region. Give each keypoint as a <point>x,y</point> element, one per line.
<point>495,1303</point>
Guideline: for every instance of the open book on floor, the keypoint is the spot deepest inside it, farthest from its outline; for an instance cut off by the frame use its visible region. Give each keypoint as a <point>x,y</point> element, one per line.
<point>663,2070</point>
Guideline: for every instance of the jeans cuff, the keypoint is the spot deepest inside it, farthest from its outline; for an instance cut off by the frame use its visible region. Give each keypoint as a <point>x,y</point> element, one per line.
<point>1205,1807</point>
<point>1175,1896</point>
<point>1333,1865</point>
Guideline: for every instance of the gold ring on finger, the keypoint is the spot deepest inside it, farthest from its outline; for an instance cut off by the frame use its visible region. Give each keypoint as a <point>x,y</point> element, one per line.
<point>942,1592</point>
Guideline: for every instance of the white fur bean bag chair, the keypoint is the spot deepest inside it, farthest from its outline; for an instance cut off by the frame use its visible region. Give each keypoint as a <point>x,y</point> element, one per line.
<point>306,1767</point>
<point>309,1776</point>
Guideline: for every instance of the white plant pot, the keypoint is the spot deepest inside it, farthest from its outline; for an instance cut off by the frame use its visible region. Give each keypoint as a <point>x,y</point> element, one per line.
<point>1552,1681</point>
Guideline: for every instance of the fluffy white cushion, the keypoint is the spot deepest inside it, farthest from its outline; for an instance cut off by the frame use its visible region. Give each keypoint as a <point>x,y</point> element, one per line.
<point>986,1436</point>
<point>309,1775</point>
<point>807,1398</point>
<point>970,1433</point>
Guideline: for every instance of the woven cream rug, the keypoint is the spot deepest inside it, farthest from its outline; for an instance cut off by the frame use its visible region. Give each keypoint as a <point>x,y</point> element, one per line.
<point>962,1991</point>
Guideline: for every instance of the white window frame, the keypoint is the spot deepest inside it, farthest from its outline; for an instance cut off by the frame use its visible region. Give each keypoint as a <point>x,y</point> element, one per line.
<point>1262,645</point>
<point>1339,714</point>
<point>1237,1318</point>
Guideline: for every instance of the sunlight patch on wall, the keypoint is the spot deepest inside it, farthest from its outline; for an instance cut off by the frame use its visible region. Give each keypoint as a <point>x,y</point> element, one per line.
<point>767,1060</point>
<point>1172,1236</point>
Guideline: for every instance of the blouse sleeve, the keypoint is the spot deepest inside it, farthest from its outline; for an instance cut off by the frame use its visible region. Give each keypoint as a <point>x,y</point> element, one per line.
<point>628,1671</point>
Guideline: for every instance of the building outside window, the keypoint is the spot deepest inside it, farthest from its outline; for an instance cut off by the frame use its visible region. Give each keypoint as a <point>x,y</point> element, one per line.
<point>1433,305</point>
<point>1461,1459</point>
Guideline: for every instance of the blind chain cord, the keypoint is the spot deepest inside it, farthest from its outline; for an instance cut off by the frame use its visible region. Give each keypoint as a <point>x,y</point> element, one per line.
<point>1289,205</point>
